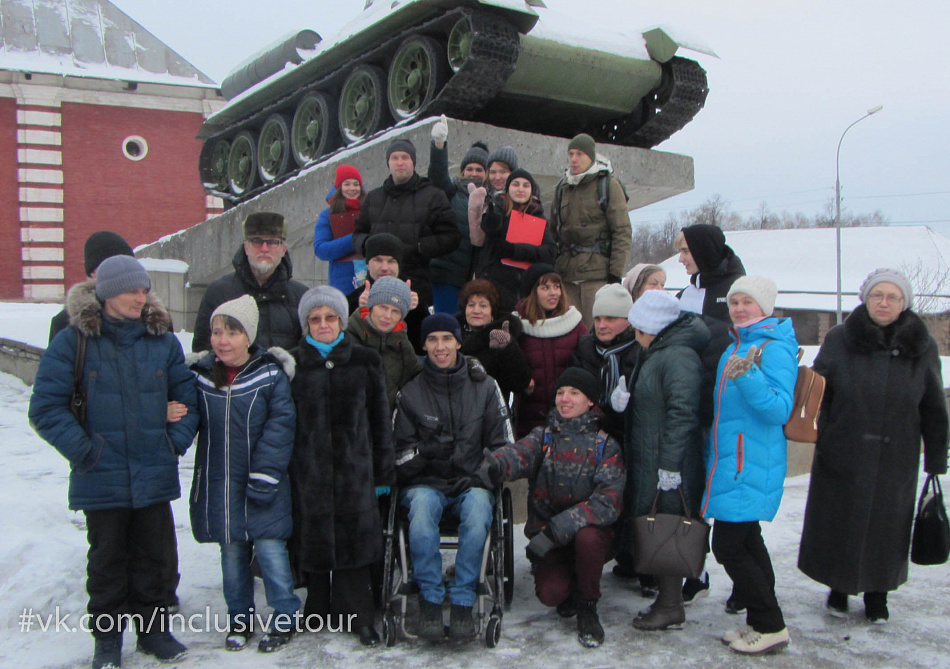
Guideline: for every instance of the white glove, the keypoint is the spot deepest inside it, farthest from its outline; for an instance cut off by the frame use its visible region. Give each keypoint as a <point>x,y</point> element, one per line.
<point>668,480</point>
<point>440,131</point>
<point>619,397</point>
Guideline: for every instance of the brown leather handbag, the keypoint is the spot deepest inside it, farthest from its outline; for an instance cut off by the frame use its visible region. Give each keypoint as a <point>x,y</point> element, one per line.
<point>802,424</point>
<point>666,544</point>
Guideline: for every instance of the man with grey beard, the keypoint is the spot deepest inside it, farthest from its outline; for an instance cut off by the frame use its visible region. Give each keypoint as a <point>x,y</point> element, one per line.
<point>262,269</point>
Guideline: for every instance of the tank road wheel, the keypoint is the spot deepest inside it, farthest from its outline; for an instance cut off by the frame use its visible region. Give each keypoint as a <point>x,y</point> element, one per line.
<point>314,129</point>
<point>460,43</point>
<point>416,74</point>
<point>213,164</point>
<point>273,148</point>
<point>362,101</point>
<point>242,163</point>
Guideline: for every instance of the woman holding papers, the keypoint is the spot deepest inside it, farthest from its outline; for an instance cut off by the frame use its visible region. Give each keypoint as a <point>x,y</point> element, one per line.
<point>333,232</point>
<point>516,237</point>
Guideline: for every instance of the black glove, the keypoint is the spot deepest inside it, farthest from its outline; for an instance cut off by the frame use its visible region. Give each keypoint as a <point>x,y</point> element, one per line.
<point>490,474</point>
<point>505,248</point>
<point>261,492</point>
<point>613,278</point>
<point>540,544</point>
<point>492,222</point>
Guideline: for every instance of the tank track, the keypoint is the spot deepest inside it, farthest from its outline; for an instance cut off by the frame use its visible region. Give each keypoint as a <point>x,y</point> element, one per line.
<point>677,100</point>
<point>494,53</point>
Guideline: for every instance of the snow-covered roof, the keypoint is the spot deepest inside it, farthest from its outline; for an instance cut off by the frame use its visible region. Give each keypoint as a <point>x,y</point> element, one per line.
<point>88,38</point>
<point>802,263</point>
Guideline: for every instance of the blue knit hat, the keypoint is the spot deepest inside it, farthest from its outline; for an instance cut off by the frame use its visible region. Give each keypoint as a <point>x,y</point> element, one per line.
<point>120,274</point>
<point>440,322</point>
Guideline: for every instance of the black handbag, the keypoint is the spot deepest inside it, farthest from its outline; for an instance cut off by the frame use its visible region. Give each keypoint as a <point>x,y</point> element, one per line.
<point>931,542</point>
<point>666,544</point>
<point>77,401</point>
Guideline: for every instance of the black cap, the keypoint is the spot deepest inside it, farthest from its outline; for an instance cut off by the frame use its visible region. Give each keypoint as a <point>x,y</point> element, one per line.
<point>101,245</point>
<point>580,378</point>
<point>383,244</point>
<point>533,274</point>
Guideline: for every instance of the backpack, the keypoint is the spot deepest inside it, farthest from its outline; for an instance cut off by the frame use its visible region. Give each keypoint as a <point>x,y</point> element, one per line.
<point>603,194</point>
<point>802,424</point>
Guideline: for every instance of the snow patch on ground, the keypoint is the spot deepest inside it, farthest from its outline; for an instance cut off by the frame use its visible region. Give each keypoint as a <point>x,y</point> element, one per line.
<point>43,557</point>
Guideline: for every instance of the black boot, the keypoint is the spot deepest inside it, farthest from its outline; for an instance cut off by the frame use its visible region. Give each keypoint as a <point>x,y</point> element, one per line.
<point>108,652</point>
<point>875,607</point>
<point>590,633</point>
<point>274,640</point>
<point>369,637</point>
<point>461,623</point>
<point>430,620</point>
<point>838,604</point>
<point>161,645</point>
<point>567,608</point>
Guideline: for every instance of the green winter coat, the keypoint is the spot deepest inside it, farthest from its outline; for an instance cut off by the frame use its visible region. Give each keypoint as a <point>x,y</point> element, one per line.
<point>581,223</point>
<point>400,362</point>
<point>663,428</point>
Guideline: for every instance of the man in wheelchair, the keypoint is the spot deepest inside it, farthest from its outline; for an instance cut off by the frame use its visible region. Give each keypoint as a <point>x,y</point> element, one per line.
<point>445,420</point>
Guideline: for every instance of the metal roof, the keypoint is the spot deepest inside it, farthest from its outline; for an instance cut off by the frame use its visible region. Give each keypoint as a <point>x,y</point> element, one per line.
<point>87,38</point>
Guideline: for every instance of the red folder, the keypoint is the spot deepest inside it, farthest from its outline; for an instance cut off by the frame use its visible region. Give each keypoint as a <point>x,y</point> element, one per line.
<point>524,229</point>
<point>342,225</point>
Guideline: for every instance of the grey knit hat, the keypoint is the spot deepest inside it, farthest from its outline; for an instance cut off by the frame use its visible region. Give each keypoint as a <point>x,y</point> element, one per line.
<point>612,299</point>
<point>323,296</point>
<point>883,275</point>
<point>244,311</point>
<point>401,145</point>
<point>506,155</point>
<point>655,310</point>
<point>477,154</point>
<point>120,274</point>
<point>390,290</point>
<point>759,288</point>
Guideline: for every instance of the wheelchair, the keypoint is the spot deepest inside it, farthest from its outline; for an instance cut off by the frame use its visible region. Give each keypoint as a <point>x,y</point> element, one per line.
<point>495,587</point>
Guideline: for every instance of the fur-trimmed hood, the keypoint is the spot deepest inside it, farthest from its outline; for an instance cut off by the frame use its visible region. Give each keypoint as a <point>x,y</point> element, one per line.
<point>280,356</point>
<point>85,311</point>
<point>910,334</point>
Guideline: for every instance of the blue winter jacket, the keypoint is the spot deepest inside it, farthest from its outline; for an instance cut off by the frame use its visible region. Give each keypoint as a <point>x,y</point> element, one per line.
<point>747,453</point>
<point>127,455</point>
<point>245,438</point>
<point>341,274</point>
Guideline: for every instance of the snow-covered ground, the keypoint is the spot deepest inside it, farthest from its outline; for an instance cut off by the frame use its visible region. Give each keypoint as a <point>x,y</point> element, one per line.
<point>43,557</point>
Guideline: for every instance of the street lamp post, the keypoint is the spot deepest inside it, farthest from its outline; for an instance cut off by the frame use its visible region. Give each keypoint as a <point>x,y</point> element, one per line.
<point>872,110</point>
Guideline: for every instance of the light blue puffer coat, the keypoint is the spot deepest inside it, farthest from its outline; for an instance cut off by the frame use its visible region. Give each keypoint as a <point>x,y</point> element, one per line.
<point>747,453</point>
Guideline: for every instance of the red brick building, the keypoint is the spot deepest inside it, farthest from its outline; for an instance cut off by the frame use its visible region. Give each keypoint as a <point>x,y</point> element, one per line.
<point>97,131</point>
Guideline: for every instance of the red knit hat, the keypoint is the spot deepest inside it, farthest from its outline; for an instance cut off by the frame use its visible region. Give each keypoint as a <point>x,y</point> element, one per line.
<point>344,172</point>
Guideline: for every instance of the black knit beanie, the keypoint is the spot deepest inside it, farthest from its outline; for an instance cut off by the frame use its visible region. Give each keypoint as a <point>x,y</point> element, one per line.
<point>579,378</point>
<point>101,245</point>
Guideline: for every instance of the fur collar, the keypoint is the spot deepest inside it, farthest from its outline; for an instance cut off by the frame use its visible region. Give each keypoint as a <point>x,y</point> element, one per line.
<point>911,336</point>
<point>85,311</point>
<point>553,327</point>
<point>279,355</point>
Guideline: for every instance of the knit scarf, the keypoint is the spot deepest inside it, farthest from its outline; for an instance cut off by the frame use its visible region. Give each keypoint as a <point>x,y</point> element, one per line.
<point>351,204</point>
<point>610,374</point>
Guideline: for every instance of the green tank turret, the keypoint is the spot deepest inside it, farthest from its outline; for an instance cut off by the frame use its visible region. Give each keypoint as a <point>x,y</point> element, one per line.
<point>300,101</point>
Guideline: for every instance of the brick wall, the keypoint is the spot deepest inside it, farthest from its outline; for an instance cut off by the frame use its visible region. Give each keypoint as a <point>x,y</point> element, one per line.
<point>10,268</point>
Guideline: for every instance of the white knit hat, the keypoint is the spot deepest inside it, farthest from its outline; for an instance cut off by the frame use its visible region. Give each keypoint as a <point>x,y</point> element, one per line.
<point>244,311</point>
<point>762,290</point>
<point>654,311</point>
<point>612,299</point>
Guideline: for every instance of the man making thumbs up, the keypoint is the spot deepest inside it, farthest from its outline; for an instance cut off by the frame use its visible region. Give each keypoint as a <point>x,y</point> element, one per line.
<point>383,258</point>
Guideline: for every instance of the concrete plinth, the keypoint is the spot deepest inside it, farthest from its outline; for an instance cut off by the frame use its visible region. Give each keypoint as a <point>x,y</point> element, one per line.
<point>207,248</point>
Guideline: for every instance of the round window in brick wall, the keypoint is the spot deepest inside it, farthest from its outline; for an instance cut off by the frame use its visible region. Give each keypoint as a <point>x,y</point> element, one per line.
<point>134,147</point>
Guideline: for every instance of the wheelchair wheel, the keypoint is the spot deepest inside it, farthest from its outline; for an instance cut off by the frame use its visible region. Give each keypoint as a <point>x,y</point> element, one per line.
<point>508,529</point>
<point>389,629</point>
<point>493,631</point>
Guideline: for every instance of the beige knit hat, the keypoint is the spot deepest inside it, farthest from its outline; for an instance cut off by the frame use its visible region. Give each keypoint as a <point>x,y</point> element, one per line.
<point>244,311</point>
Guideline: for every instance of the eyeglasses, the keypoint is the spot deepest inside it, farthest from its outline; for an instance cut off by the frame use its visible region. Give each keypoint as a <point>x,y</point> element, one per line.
<point>260,241</point>
<point>879,298</point>
<point>329,319</point>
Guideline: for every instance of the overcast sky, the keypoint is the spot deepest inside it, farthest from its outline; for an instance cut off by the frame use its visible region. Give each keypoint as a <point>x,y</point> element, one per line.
<point>792,75</point>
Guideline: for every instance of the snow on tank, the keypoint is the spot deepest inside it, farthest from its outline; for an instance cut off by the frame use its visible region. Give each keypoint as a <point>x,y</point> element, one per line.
<point>510,63</point>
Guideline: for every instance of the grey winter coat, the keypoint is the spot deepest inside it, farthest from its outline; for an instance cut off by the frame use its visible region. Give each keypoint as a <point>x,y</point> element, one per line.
<point>884,394</point>
<point>663,428</point>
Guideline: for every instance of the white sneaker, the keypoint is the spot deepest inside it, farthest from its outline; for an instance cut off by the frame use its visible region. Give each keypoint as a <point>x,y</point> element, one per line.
<point>735,635</point>
<point>755,643</point>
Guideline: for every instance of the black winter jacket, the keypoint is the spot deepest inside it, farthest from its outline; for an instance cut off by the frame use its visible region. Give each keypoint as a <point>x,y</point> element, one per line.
<point>608,364</point>
<point>420,215</point>
<point>884,395</point>
<point>277,302</point>
<point>444,424</point>
<point>508,365</point>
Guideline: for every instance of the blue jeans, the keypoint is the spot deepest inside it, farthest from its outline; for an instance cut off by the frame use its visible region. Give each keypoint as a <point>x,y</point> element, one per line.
<point>474,508</point>
<point>239,582</point>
